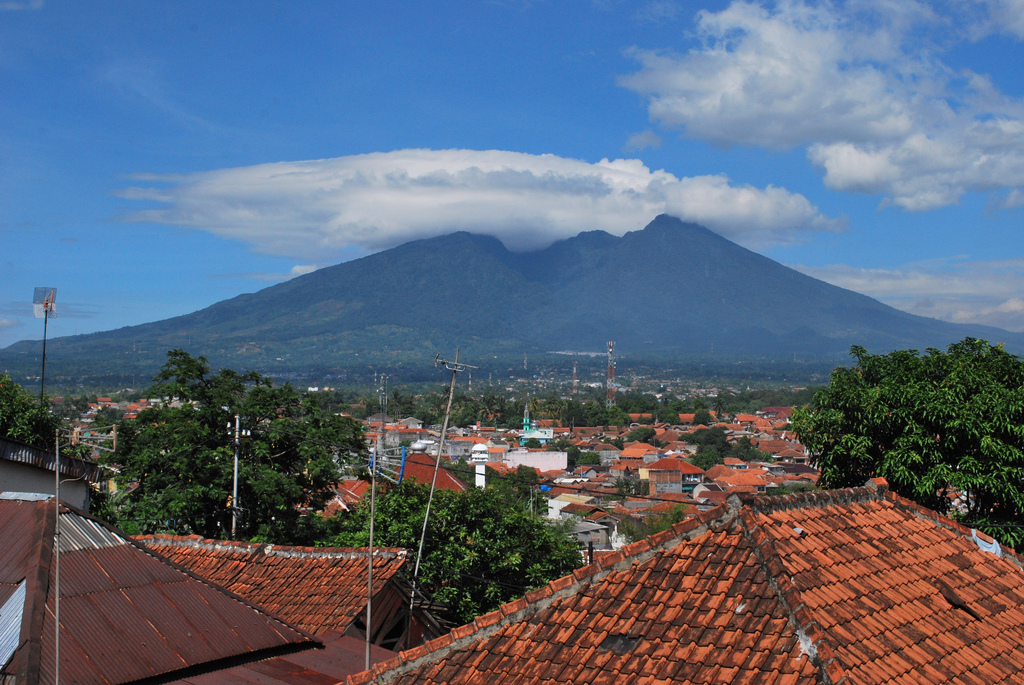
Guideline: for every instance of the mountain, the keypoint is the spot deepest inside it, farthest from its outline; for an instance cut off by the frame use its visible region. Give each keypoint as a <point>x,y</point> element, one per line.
<point>670,289</point>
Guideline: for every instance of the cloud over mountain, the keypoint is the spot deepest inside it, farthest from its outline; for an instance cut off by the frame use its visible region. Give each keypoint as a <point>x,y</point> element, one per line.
<point>851,82</point>
<point>374,201</point>
<point>961,291</point>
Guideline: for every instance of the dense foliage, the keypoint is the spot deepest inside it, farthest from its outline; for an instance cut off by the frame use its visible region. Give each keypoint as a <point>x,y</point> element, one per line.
<point>23,419</point>
<point>175,463</point>
<point>713,448</point>
<point>935,425</point>
<point>482,548</point>
<point>634,529</point>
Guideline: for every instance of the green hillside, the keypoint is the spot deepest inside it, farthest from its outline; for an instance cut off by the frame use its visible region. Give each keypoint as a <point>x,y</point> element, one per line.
<point>670,289</point>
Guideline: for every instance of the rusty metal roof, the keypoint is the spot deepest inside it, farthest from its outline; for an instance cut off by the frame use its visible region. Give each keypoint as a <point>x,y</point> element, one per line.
<point>316,588</point>
<point>126,614</point>
<point>341,656</point>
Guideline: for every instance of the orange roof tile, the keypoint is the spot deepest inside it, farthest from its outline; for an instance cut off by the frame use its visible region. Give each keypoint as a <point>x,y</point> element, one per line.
<point>854,586</point>
<point>317,589</point>
<point>669,464</point>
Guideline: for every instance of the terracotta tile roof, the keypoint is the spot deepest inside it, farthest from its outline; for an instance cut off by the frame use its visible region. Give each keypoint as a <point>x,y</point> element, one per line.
<point>773,446</point>
<point>669,464</point>
<point>751,477</point>
<point>778,412</point>
<point>318,589</point>
<point>641,447</point>
<point>666,609</point>
<point>847,586</point>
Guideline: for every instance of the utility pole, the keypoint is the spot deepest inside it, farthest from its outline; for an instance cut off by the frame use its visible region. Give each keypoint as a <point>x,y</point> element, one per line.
<point>234,491</point>
<point>454,367</point>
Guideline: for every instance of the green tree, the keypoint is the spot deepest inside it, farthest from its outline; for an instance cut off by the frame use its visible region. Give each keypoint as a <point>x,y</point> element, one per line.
<point>176,462</point>
<point>702,417</point>
<point>23,419</point>
<point>642,434</point>
<point>634,529</point>
<point>107,416</point>
<point>933,425</point>
<point>479,552</point>
<point>515,487</point>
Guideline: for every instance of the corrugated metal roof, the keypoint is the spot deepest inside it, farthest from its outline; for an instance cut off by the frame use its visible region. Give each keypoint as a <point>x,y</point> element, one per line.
<point>26,454</point>
<point>125,612</point>
<point>25,496</point>
<point>11,615</point>
<point>78,532</point>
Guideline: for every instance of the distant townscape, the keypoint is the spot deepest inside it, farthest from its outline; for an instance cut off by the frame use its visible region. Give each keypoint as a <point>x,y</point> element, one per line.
<point>227,529</point>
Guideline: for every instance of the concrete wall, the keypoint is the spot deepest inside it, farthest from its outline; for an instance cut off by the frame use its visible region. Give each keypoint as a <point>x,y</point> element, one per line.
<point>542,461</point>
<point>16,477</point>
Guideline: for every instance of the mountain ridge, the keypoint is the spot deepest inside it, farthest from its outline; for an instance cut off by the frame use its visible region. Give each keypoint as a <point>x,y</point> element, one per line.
<point>668,289</point>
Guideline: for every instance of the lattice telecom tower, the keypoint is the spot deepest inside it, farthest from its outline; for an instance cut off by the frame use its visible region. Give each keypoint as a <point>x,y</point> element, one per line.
<point>610,401</point>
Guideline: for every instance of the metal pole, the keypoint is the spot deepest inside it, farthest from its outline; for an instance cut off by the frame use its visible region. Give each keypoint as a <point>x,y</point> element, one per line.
<point>56,567</point>
<point>369,571</point>
<point>42,375</point>
<point>234,494</point>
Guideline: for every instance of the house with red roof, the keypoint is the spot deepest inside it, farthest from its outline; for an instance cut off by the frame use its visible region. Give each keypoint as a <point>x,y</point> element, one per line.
<point>422,466</point>
<point>671,475</point>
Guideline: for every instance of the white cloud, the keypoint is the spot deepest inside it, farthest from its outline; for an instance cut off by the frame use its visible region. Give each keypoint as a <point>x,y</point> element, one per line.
<point>657,11</point>
<point>378,200</point>
<point>1006,16</point>
<point>274,277</point>
<point>963,292</point>
<point>16,6</point>
<point>859,83</point>
<point>642,141</point>
<point>9,323</point>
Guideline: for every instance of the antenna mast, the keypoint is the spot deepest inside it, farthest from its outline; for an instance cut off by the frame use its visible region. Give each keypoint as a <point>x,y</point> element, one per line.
<point>43,307</point>
<point>575,380</point>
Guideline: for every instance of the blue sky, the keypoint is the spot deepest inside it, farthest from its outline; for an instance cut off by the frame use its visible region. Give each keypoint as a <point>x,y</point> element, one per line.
<point>156,158</point>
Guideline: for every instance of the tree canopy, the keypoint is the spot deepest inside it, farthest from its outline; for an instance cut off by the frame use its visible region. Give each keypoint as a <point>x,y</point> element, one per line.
<point>482,547</point>
<point>176,462</point>
<point>936,426</point>
<point>23,419</point>
<point>713,447</point>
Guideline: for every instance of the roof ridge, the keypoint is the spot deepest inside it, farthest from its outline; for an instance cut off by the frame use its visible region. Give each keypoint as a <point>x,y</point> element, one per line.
<point>270,549</point>
<point>27,658</point>
<point>808,631</point>
<point>943,521</point>
<point>875,489</point>
<point>539,599</point>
